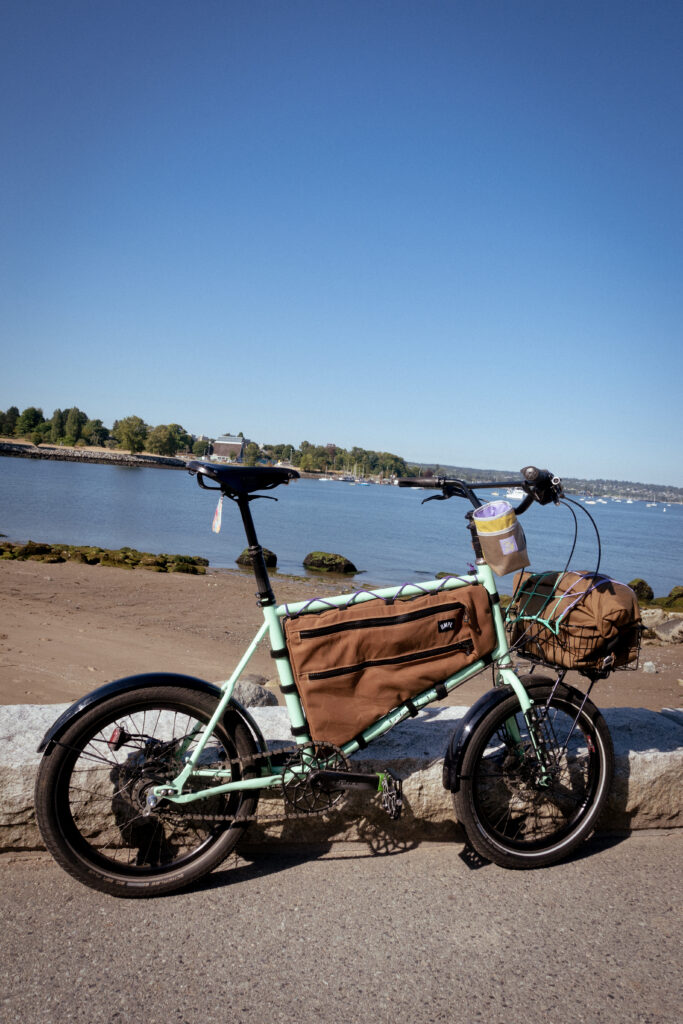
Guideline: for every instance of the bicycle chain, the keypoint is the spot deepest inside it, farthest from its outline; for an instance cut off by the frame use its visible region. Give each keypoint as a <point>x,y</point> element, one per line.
<point>241,763</point>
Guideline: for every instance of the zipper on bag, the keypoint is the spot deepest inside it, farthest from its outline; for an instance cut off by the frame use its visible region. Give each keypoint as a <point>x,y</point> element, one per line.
<point>341,627</point>
<point>463,646</point>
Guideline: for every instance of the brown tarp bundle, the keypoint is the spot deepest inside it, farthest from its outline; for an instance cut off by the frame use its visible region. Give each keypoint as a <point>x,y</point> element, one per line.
<point>574,619</point>
<point>352,665</point>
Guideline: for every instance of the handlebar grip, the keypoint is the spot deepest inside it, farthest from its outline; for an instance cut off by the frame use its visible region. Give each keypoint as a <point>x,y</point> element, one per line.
<point>420,481</point>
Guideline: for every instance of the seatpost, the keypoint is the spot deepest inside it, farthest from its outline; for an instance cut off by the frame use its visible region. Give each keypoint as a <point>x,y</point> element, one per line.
<point>265,593</point>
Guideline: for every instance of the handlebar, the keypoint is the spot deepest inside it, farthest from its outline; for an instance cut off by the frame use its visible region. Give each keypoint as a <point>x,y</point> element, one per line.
<point>538,484</point>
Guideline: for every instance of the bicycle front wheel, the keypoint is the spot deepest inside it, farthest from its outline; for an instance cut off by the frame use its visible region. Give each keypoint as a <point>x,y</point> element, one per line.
<point>522,810</point>
<point>92,788</point>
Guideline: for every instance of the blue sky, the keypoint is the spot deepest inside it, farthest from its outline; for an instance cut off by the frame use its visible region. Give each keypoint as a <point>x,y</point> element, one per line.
<point>449,230</point>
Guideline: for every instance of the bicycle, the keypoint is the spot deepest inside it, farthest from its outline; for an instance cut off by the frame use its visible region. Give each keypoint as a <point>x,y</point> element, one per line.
<point>147,783</point>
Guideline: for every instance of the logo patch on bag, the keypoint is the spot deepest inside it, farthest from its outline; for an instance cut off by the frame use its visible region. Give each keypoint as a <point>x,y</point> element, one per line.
<point>446,624</point>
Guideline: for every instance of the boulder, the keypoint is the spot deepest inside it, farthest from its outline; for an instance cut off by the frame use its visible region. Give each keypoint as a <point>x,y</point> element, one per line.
<point>33,550</point>
<point>270,558</point>
<point>671,631</point>
<point>641,589</point>
<point>251,692</point>
<point>325,561</point>
<point>653,617</point>
<point>646,792</point>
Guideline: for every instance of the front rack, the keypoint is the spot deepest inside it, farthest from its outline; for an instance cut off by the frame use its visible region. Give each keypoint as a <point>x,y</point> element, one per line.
<point>553,619</point>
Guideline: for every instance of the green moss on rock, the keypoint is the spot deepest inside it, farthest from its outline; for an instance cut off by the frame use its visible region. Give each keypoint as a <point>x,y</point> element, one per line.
<point>641,589</point>
<point>119,558</point>
<point>270,558</point>
<point>326,561</point>
<point>673,602</point>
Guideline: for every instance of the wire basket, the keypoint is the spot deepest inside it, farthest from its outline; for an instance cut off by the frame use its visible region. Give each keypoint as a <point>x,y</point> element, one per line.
<point>577,648</point>
<point>575,620</point>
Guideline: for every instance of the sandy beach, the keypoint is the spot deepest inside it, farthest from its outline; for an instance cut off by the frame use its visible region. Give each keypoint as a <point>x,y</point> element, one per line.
<point>66,629</point>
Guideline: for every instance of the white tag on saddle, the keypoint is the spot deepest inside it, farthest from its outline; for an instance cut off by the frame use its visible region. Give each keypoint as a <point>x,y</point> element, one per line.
<point>218,516</point>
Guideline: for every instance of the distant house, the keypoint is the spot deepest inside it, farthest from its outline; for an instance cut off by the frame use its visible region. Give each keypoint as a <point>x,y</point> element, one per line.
<point>229,447</point>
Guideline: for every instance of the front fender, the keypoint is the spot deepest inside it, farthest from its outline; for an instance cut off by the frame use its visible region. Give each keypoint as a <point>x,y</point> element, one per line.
<point>463,732</point>
<point>118,686</point>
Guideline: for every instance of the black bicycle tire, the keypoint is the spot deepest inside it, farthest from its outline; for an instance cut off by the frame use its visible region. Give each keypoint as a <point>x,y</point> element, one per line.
<point>482,834</point>
<point>62,836</point>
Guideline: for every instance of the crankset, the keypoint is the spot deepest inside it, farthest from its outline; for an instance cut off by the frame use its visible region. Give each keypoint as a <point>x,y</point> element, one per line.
<point>308,780</point>
<point>317,776</point>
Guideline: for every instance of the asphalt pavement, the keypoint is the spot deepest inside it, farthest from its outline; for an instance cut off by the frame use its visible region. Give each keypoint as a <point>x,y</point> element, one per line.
<point>415,934</point>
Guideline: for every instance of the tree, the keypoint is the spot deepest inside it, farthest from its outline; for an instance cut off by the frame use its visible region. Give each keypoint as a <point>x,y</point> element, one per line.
<point>8,421</point>
<point>167,439</point>
<point>75,420</point>
<point>200,448</point>
<point>392,465</point>
<point>57,426</point>
<point>28,421</point>
<point>74,423</point>
<point>94,432</point>
<point>180,436</point>
<point>159,441</point>
<point>131,433</point>
<point>251,454</point>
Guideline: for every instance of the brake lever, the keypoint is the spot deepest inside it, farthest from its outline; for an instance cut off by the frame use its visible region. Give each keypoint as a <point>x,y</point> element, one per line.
<point>436,497</point>
<point>524,505</point>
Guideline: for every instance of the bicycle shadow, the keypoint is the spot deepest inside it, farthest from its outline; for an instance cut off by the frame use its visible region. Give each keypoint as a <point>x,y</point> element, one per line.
<point>639,736</point>
<point>258,860</point>
<point>358,821</point>
<point>254,861</point>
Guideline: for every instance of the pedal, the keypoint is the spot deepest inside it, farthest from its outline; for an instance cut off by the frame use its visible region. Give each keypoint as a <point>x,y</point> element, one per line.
<point>392,794</point>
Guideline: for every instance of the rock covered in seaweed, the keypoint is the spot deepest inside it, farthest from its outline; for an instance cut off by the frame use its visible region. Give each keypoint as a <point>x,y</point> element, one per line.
<point>326,561</point>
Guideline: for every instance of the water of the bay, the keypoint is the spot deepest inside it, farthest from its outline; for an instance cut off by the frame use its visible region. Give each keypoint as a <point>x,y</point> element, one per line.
<point>385,531</point>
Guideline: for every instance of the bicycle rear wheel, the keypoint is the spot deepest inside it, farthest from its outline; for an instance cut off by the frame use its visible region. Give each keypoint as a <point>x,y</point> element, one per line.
<point>519,812</point>
<point>91,793</point>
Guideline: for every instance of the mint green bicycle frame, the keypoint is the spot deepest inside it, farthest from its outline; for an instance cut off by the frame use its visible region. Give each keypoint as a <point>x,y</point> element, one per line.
<point>272,625</point>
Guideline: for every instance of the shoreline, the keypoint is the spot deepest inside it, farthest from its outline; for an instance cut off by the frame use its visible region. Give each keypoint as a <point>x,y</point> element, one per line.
<point>68,628</point>
<point>103,456</point>
<point>130,558</point>
<point>19,448</point>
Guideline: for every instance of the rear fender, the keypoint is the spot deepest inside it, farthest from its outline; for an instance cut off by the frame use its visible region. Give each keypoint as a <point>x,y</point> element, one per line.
<point>149,679</point>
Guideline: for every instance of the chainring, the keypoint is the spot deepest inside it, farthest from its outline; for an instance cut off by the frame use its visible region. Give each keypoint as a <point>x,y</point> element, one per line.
<point>299,792</point>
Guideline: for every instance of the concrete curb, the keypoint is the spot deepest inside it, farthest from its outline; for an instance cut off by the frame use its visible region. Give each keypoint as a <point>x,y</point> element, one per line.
<point>647,790</point>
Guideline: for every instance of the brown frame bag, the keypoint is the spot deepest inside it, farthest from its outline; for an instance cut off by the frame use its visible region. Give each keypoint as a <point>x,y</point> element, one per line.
<point>353,665</point>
